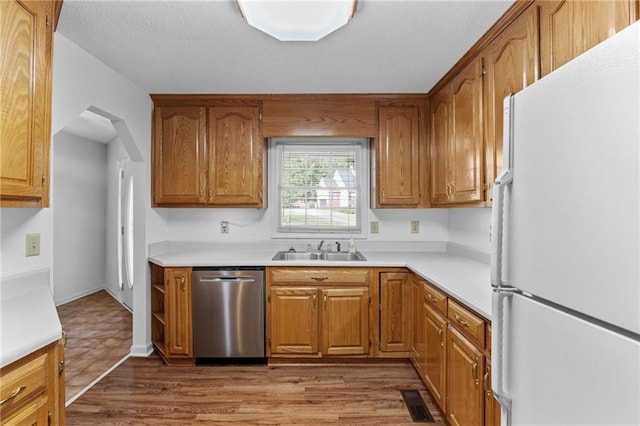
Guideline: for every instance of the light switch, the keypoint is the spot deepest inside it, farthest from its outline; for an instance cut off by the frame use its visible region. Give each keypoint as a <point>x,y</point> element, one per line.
<point>224,227</point>
<point>33,245</point>
<point>374,227</point>
<point>415,226</point>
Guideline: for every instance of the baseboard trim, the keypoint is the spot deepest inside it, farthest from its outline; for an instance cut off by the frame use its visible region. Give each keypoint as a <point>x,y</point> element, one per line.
<point>140,351</point>
<point>79,295</point>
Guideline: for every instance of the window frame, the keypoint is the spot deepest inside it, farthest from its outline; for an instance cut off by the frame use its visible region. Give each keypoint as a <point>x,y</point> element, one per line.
<point>275,172</point>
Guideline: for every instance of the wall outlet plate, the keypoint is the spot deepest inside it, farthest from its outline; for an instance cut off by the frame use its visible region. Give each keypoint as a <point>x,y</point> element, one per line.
<point>32,245</point>
<point>224,227</point>
<point>375,227</point>
<point>415,226</point>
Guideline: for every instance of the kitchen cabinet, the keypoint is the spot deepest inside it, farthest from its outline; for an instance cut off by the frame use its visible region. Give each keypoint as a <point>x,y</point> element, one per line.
<point>465,394</point>
<point>318,312</point>
<point>208,156</point>
<point>492,408</point>
<point>32,388</point>
<point>570,27</point>
<point>395,312</point>
<point>457,139</point>
<point>434,305</point>
<point>26,29</point>
<point>398,154</point>
<point>511,62</point>
<point>171,314</point>
<point>417,325</point>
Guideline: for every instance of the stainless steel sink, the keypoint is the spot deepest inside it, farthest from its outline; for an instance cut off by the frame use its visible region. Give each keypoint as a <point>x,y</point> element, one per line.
<point>317,255</point>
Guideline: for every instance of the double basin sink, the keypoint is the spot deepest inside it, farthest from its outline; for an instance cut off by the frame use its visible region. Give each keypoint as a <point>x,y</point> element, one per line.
<point>319,255</point>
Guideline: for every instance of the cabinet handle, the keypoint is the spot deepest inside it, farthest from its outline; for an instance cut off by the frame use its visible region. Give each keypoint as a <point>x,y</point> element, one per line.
<point>13,394</point>
<point>210,193</point>
<point>431,298</point>
<point>325,302</point>
<point>314,300</point>
<point>461,321</point>
<point>182,282</point>
<point>485,382</point>
<point>383,194</point>
<point>440,338</point>
<point>474,373</point>
<point>60,367</point>
<point>319,278</point>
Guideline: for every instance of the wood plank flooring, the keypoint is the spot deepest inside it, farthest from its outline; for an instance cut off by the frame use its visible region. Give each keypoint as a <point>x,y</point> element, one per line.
<point>98,336</point>
<point>145,391</point>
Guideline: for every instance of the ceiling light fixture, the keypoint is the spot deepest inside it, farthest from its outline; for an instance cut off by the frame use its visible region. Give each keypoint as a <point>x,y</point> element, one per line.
<point>297,20</point>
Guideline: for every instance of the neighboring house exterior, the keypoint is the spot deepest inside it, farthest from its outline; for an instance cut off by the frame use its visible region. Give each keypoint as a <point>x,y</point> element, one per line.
<point>338,190</point>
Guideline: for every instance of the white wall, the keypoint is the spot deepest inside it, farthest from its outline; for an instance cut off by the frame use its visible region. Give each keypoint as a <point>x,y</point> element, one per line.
<point>470,227</point>
<point>79,169</point>
<point>81,81</point>
<point>259,224</point>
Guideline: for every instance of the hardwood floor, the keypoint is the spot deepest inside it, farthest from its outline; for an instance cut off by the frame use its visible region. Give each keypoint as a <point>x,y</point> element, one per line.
<point>145,391</point>
<point>98,336</point>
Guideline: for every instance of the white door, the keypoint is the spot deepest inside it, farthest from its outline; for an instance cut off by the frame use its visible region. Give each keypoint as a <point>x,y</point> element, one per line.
<point>125,231</point>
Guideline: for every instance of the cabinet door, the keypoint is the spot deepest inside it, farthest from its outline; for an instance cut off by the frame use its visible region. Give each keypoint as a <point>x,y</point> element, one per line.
<point>395,301</point>
<point>511,62</point>
<point>397,155</point>
<point>293,321</point>
<point>179,156</point>
<point>25,105</point>
<point>345,321</point>
<point>178,312</point>
<point>465,395</point>
<point>235,157</point>
<point>435,363</point>
<point>492,409</point>
<point>465,160</point>
<point>440,143</point>
<point>417,325</point>
<point>35,413</point>
<point>570,27</point>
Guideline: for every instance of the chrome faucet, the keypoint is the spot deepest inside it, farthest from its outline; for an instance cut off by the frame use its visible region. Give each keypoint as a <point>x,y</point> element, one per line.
<point>320,245</point>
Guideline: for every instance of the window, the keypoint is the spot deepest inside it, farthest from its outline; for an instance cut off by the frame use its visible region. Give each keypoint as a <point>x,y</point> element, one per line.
<point>320,184</point>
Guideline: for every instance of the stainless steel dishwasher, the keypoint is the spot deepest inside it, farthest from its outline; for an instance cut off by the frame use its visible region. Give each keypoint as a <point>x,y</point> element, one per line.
<point>228,312</point>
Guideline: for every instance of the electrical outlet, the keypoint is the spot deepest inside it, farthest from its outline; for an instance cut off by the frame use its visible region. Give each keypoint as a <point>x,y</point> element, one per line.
<point>33,245</point>
<point>415,226</point>
<point>374,227</point>
<point>224,227</point>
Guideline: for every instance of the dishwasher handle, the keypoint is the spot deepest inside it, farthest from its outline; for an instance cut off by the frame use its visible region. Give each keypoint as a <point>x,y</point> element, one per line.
<point>238,279</point>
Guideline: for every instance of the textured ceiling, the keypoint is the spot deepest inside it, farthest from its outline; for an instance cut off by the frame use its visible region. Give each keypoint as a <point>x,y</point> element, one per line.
<point>394,46</point>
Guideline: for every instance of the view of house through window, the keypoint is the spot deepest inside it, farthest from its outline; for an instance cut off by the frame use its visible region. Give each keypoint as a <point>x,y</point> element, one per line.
<point>320,184</point>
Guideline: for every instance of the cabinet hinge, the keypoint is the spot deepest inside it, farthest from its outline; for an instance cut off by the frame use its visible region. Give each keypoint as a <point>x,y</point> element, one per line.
<point>46,21</point>
<point>268,299</point>
<point>484,70</point>
<point>49,418</point>
<point>44,180</point>
<point>269,342</point>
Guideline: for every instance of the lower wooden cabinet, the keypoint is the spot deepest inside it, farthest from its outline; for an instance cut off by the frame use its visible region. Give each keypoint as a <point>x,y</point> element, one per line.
<point>395,312</point>
<point>492,408</point>
<point>465,393</point>
<point>171,316</point>
<point>327,318</point>
<point>434,372</point>
<point>32,388</point>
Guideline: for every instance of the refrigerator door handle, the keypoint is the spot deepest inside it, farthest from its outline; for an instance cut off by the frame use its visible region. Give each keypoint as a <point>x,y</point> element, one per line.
<point>498,349</point>
<point>497,228</point>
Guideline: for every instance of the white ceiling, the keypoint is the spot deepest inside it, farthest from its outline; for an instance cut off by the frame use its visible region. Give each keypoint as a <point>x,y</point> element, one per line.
<point>389,46</point>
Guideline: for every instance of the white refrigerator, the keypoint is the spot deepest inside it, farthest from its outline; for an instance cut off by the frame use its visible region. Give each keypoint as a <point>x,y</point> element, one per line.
<point>566,244</point>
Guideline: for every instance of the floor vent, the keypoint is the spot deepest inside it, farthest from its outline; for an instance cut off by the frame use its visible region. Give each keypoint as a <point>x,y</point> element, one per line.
<point>416,406</point>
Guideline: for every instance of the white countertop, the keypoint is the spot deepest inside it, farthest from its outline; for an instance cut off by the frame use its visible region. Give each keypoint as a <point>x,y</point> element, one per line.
<point>464,278</point>
<point>28,316</point>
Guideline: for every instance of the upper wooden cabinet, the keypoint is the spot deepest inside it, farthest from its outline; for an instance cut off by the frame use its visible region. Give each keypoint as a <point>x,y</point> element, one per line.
<point>208,156</point>
<point>457,139</point>
<point>511,62</point>
<point>571,27</point>
<point>398,156</point>
<point>26,31</point>
<point>236,151</point>
<point>180,155</point>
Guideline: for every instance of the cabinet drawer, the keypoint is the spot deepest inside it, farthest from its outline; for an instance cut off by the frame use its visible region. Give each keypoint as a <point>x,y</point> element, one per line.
<point>318,276</point>
<point>435,298</point>
<point>23,381</point>
<point>466,321</point>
